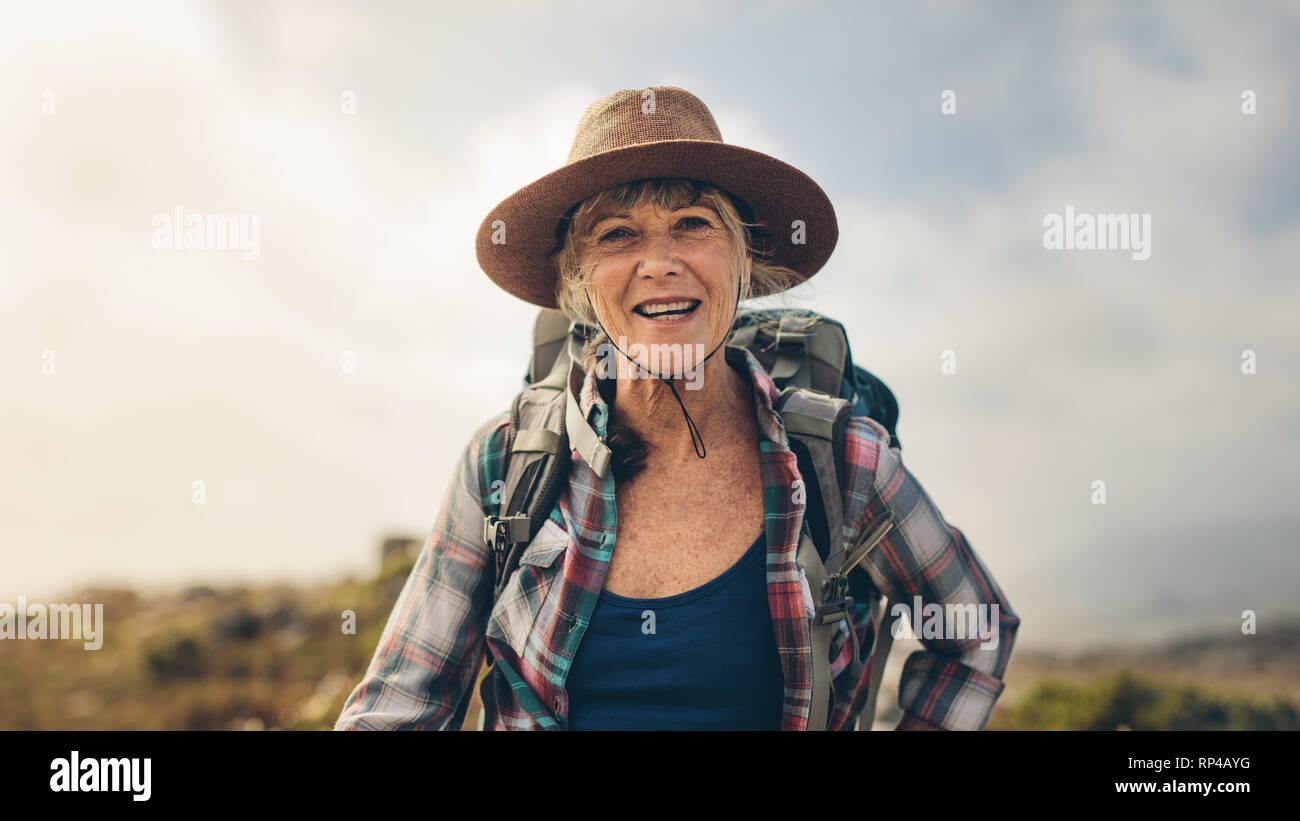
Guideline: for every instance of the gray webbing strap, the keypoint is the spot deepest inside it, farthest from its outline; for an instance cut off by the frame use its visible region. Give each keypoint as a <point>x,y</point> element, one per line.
<point>582,437</point>
<point>880,657</point>
<point>791,349</point>
<point>538,440</point>
<point>566,370</point>
<point>819,712</point>
<point>796,422</point>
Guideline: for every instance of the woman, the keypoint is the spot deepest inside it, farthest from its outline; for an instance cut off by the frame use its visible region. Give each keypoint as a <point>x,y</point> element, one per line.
<point>665,593</point>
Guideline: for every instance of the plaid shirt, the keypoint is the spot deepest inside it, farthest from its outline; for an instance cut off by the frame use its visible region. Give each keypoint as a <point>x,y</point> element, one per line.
<point>443,622</point>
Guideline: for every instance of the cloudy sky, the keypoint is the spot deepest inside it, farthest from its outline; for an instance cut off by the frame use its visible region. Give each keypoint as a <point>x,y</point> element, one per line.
<point>127,372</point>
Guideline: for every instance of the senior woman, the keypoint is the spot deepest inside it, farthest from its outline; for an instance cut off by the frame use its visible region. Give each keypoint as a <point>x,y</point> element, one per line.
<point>671,596</point>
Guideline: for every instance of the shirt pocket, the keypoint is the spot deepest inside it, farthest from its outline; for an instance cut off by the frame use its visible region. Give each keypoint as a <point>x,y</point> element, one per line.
<point>515,612</point>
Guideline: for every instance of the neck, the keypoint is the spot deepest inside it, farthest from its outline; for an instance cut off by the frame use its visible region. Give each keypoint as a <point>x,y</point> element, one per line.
<point>717,397</point>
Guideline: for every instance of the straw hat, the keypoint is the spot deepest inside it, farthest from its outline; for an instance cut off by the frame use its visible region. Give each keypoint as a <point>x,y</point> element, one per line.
<point>635,134</point>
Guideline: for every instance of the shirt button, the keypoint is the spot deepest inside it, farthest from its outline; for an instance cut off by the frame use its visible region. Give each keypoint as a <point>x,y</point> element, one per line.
<point>573,622</point>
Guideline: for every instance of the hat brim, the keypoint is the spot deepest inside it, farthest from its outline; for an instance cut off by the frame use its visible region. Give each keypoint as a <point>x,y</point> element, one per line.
<point>777,193</point>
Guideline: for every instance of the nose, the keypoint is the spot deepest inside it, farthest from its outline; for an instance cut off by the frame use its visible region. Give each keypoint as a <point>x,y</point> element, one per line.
<point>659,255</point>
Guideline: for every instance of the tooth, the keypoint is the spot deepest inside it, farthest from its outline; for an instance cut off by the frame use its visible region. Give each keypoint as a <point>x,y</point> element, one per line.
<point>664,307</point>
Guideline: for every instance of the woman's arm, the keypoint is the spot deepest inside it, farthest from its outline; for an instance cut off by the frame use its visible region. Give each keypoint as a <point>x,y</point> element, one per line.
<point>432,647</point>
<point>954,682</point>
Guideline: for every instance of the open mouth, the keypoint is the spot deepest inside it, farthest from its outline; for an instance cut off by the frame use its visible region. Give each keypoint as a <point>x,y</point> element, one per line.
<point>667,311</point>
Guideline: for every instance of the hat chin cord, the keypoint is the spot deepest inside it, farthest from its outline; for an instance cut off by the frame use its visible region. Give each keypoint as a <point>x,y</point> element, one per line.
<point>697,441</point>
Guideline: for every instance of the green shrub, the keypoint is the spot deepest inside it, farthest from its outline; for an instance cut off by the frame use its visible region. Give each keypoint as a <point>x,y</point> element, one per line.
<point>175,657</point>
<point>1127,701</point>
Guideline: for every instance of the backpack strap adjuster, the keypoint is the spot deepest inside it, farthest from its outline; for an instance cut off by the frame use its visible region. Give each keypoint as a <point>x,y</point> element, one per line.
<point>836,600</point>
<point>499,532</point>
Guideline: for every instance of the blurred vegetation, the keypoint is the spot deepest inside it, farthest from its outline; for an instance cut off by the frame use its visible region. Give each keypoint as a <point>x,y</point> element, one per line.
<point>1129,701</point>
<point>205,659</point>
<point>277,658</point>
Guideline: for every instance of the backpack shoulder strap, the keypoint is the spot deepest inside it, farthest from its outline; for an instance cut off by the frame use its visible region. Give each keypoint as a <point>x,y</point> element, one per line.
<point>810,419</point>
<point>816,424</point>
<point>537,448</point>
<point>535,465</point>
<point>545,423</point>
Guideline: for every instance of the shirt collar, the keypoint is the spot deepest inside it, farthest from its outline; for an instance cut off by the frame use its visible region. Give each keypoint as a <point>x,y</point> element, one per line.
<point>595,410</point>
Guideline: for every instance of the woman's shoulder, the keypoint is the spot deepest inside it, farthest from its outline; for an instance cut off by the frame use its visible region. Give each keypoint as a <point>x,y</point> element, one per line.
<point>488,441</point>
<point>868,429</point>
<point>867,448</point>
<point>482,458</point>
<point>495,428</point>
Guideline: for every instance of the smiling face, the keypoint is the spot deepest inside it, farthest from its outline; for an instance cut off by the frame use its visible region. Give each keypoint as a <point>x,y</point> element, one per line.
<point>661,275</point>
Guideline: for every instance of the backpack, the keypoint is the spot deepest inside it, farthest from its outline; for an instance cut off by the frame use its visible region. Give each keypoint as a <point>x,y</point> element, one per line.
<point>820,388</point>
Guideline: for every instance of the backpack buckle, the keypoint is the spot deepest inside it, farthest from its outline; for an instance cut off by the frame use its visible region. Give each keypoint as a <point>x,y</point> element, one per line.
<point>500,533</point>
<point>836,600</point>
<point>494,532</point>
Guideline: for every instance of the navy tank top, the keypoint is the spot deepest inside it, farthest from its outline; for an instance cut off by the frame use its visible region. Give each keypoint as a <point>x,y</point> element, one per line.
<point>705,659</point>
